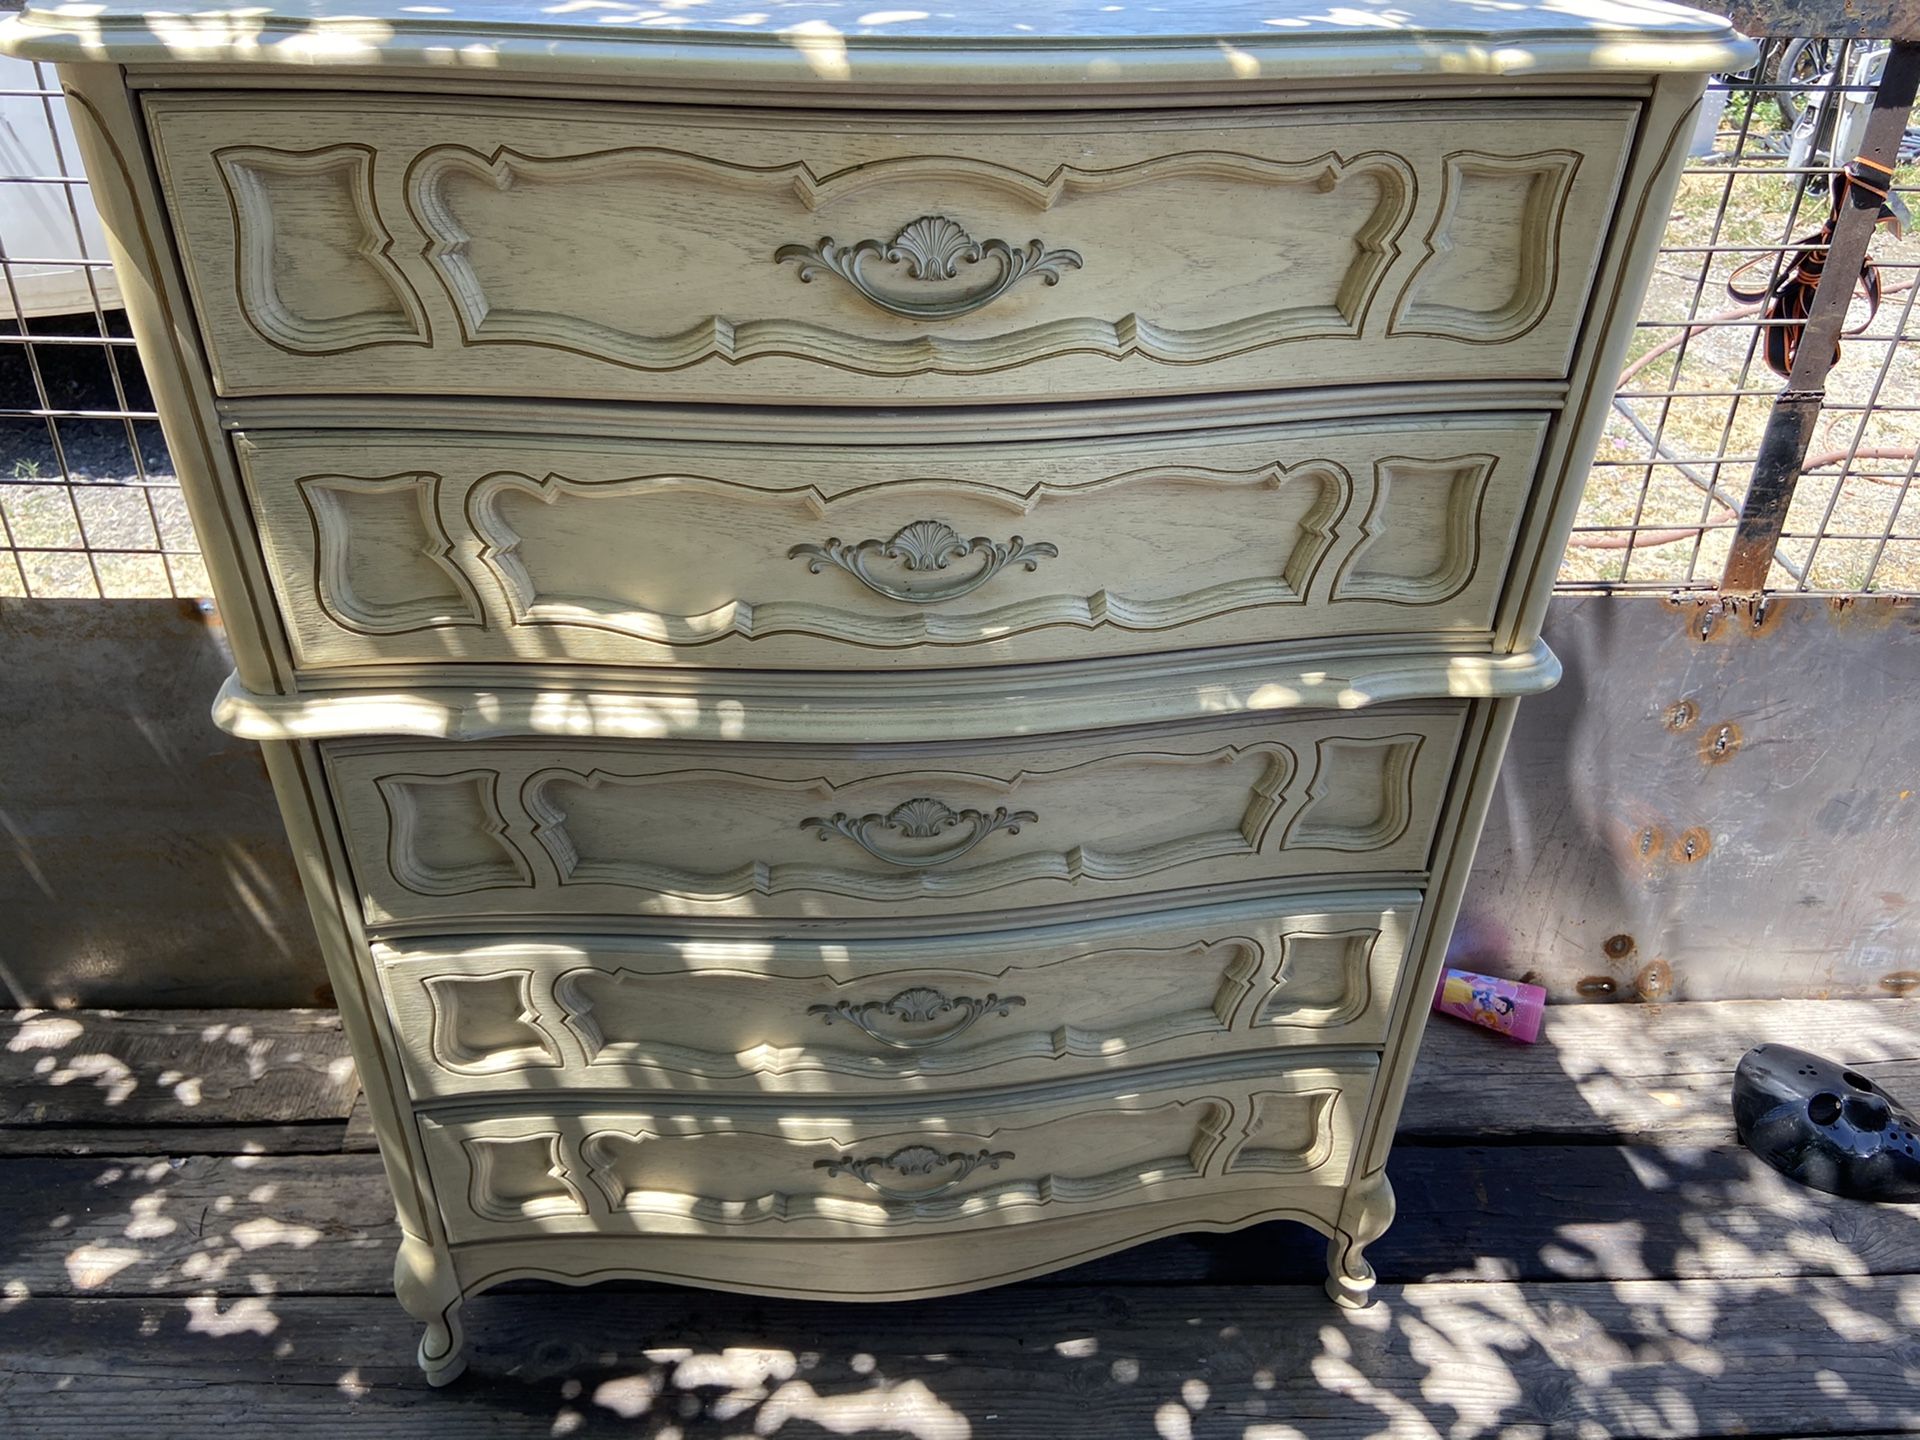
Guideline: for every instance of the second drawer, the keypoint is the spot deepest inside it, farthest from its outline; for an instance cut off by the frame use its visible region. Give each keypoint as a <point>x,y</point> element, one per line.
<point>390,548</point>
<point>550,829</point>
<point>877,1016</point>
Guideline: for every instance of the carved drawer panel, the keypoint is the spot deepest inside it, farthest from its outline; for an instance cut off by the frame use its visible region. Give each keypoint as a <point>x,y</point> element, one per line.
<point>424,548</point>
<point>549,829</point>
<point>867,1016</point>
<point>751,1170</point>
<point>488,246</point>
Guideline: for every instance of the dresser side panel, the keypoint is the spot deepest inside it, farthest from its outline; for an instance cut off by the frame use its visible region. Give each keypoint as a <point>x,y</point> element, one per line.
<point>1653,178</point>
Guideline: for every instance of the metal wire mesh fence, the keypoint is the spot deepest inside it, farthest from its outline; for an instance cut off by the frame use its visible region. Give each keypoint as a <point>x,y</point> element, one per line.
<point>1665,490</point>
<point>89,506</point>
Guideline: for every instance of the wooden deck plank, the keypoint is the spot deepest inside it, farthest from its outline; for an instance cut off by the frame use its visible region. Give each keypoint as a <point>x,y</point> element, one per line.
<point>1625,1359</point>
<point>1547,1212</point>
<point>323,1224</point>
<point>201,1224</point>
<point>1641,1072</point>
<point>92,1068</point>
<point>314,1137</point>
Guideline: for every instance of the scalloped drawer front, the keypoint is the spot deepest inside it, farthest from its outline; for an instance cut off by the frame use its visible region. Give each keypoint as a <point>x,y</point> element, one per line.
<point>752,1172</point>
<point>388,548</point>
<point>480,246</point>
<point>481,833</point>
<point>877,1017</point>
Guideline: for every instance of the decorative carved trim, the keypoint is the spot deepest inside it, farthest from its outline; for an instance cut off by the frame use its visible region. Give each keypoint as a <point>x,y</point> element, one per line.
<point>603,1165</point>
<point>1304,1160</point>
<point>932,248</point>
<point>328,501</point>
<point>1375,243</point>
<point>1237,980</point>
<point>1396,755</point>
<point>919,1058</point>
<point>1210,1135</point>
<point>916,1005</point>
<point>452,1051</point>
<point>1356,992</point>
<point>910,1161</point>
<point>920,546</point>
<point>899,1207</point>
<point>529,604</point>
<point>483,1159</point>
<point>1267,797</point>
<point>255,227</point>
<point>1466,478</point>
<point>1536,230</point>
<point>400,794</point>
<point>920,819</point>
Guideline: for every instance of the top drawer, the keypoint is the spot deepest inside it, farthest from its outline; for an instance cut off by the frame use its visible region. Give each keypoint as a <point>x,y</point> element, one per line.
<point>365,244</point>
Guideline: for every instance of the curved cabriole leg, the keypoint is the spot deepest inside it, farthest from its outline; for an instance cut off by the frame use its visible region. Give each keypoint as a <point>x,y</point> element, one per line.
<point>424,1283</point>
<point>1364,1217</point>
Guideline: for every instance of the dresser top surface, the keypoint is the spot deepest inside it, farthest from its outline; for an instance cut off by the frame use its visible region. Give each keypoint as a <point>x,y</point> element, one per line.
<point>856,42</point>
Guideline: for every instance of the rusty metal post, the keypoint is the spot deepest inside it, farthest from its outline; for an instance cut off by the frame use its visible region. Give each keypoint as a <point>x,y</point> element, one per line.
<point>1783,448</point>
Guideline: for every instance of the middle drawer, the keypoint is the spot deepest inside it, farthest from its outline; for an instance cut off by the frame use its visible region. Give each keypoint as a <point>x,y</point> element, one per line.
<point>395,548</point>
<point>552,829</point>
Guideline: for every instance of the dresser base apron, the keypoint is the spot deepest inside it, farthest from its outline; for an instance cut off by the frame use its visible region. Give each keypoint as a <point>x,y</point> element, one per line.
<point>911,1268</point>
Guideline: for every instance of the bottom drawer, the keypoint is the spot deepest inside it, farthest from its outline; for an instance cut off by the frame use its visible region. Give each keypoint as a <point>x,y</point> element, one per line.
<point>680,1168</point>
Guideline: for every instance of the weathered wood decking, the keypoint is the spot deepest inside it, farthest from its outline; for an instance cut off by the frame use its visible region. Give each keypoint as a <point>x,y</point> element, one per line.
<point>194,1238</point>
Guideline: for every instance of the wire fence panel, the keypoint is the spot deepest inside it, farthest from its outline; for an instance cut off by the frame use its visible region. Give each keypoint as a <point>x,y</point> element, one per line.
<point>90,506</point>
<point>1664,494</point>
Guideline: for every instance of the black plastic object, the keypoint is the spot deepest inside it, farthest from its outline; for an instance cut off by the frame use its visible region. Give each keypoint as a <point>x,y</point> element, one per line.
<point>1826,1126</point>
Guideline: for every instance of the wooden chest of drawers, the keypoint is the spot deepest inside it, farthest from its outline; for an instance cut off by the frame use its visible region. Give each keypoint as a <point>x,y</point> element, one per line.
<point>882,635</point>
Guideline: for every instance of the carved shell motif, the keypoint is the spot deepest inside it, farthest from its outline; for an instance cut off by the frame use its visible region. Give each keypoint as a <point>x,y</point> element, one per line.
<point>925,545</point>
<point>919,1004</point>
<point>915,1160</point>
<point>921,818</point>
<point>911,1161</point>
<point>916,1005</point>
<point>933,248</point>
<point>922,545</point>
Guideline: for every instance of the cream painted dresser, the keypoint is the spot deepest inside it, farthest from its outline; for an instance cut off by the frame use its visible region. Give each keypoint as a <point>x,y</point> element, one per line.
<point>884,636</point>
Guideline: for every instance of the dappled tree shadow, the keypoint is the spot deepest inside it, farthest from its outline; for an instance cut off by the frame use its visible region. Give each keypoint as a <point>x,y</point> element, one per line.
<point>1531,1286</point>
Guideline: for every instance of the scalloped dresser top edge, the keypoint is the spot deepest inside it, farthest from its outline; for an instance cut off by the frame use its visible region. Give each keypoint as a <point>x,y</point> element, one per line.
<point>830,44</point>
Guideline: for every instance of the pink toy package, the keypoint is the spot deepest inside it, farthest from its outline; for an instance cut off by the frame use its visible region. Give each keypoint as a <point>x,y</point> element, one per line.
<point>1510,1007</point>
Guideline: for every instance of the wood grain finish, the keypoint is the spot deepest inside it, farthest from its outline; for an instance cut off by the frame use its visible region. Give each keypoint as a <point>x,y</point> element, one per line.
<point>880,1016</point>
<point>302,290</point>
<point>686,1170</point>
<point>845,260</point>
<point>423,550</point>
<point>550,830</point>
